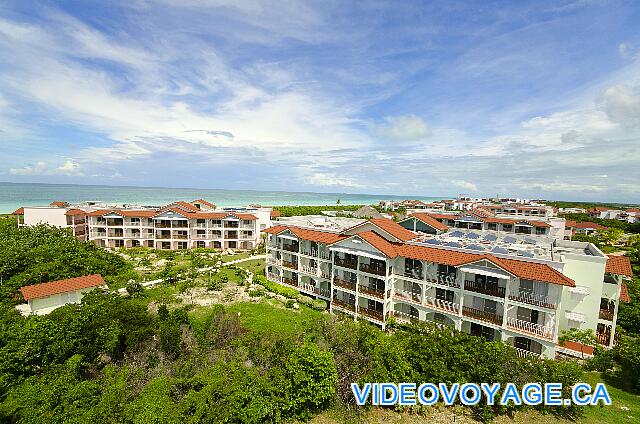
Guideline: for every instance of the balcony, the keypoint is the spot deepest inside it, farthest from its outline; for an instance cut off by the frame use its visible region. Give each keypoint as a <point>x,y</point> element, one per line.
<point>306,252</point>
<point>292,265</point>
<point>345,263</point>
<point>491,290</point>
<point>373,269</point>
<point>605,314</point>
<point>344,305</point>
<point>603,338</point>
<point>529,328</point>
<point>523,353</point>
<point>200,225</point>
<point>163,225</point>
<point>274,277</point>
<point>325,274</point>
<point>324,255</point>
<point>310,288</point>
<point>371,291</point>
<point>444,279</point>
<point>180,237</point>
<point>531,298</point>
<point>415,274</point>
<point>274,261</point>
<point>309,269</point>
<point>344,284</point>
<point>115,234</point>
<point>290,247</point>
<point>408,296</point>
<point>441,304</point>
<point>290,282</point>
<point>371,313</point>
<point>180,225</point>
<point>404,317</point>
<point>482,315</point>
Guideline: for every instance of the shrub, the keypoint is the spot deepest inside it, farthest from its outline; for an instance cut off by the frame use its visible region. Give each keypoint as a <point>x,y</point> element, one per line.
<point>289,303</point>
<point>276,288</point>
<point>256,293</point>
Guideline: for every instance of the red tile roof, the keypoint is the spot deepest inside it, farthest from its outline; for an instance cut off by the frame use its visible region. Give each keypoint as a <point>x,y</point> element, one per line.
<point>569,223</point>
<point>73,212</point>
<point>382,244</point>
<point>619,265</point>
<point>624,293</point>
<point>393,228</point>
<point>19,211</point>
<point>124,213</point>
<point>58,204</point>
<point>37,291</point>
<point>306,234</point>
<point>275,214</point>
<point>590,225</point>
<point>430,221</point>
<point>276,229</point>
<point>185,205</point>
<point>204,202</point>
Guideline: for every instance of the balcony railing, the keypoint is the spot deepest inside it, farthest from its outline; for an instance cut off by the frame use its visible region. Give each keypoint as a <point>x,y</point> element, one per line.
<point>408,296</point>
<point>603,338</point>
<point>344,305</point>
<point>309,269</point>
<point>274,277</point>
<point>482,315</point>
<point>443,305</point>
<point>523,353</point>
<point>307,252</point>
<point>605,314</point>
<point>530,328</point>
<point>444,279</point>
<point>345,263</point>
<point>373,269</point>
<point>324,255</point>
<point>371,313</point>
<point>290,282</point>
<point>344,284</point>
<point>371,291</point>
<point>162,225</point>
<point>416,274</point>
<point>310,288</point>
<point>291,265</point>
<point>531,298</point>
<point>290,247</point>
<point>404,316</point>
<point>325,274</point>
<point>491,290</point>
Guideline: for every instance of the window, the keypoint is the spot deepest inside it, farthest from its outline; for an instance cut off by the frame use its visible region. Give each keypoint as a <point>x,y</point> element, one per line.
<point>182,245</point>
<point>443,294</point>
<point>541,230</point>
<point>492,226</point>
<point>135,221</point>
<point>507,227</point>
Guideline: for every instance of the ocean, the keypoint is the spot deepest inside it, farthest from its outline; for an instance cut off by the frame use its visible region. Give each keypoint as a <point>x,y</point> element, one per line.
<point>15,195</point>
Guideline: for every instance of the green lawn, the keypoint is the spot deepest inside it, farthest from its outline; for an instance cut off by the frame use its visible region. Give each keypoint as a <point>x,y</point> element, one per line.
<point>235,257</point>
<point>271,316</point>
<point>256,266</point>
<point>615,413</point>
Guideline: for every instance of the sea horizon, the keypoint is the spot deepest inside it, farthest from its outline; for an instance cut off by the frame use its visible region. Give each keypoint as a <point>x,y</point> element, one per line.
<point>14,195</point>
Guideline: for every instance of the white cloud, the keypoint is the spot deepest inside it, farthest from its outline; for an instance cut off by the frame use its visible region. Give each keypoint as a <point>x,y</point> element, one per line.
<point>625,50</point>
<point>621,103</point>
<point>402,128</point>
<point>465,185</point>
<point>332,180</point>
<point>41,168</point>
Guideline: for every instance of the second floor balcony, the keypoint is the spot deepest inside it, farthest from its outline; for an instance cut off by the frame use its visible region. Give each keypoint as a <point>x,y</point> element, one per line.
<point>488,289</point>
<point>486,316</point>
<point>371,313</point>
<point>344,305</point>
<point>290,282</point>
<point>371,291</point>
<point>530,328</point>
<point>605,314</point>
<point>376,269</point>
<point>345,263</point>
<point>345,284</point>
<point>524,296</point>
<point>290,247</point>
<point>288,264</point>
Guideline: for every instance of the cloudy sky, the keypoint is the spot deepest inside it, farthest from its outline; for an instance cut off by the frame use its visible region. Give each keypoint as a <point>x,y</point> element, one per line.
<point>422,98</point>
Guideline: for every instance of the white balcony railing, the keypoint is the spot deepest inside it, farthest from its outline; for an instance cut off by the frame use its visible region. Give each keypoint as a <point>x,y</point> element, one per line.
<point>525,296</point>
<point>523,353</point>
<point>274,261</point>
<point>309,269</point>
<point>442,305</point>
<point>543,331</point>
<point>274,277</point>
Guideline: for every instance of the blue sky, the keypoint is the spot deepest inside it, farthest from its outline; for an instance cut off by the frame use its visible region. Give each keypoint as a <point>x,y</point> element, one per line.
<point>538,99</point>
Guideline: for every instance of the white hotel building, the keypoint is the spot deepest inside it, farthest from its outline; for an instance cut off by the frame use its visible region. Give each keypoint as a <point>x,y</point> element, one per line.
<point>180,225</point>
<point>377,270</point>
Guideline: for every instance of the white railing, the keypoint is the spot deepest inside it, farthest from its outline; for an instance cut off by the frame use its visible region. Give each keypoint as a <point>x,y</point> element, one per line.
<point>442,305</point>
<point>274,261</point>
<point>530,328</point>
<point>523,353</point>
<point>309,269</point>
<point>408,296</point>
<point>325,274</point>
<point>531,298</point>
<point>324,255</point>
<point>310,288</point>
<point>274,277</point>
<point>443,279</point>
<point>308,252</point>
<point>403,316</point>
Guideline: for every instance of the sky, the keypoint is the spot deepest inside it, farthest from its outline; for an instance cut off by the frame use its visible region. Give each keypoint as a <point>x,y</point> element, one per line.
<point>533,99</point>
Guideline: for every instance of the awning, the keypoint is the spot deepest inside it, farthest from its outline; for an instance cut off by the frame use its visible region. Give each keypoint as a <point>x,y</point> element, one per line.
<point>288,237</point>
<point>574,316</point>
<point>579,290</point>
<point>484,271</point>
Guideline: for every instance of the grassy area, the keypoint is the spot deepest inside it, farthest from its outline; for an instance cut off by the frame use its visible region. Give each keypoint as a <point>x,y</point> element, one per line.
<point>256,266</point>
<point>235,257</point>
<point>617,412</point>
<point>271,316</point>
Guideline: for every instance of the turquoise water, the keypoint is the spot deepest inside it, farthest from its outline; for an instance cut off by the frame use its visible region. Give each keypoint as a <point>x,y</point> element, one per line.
<point>15,195</point>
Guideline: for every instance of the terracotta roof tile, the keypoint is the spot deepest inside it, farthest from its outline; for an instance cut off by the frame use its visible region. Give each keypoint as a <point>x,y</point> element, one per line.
<point>619,265</point>
<point>624,293</point>
<point>380,243</point>
<point>19,211</point>
<point>73,212</point>
<point>430,221</point>
<point>204,202</point>
<point>37,291</point>
<point>185,205</point>
<point>393,228</point>
<point>58,204</point>
<point>317,236</point>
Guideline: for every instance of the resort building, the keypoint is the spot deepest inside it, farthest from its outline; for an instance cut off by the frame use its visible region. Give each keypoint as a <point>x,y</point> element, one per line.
<point>180,225</point>
<point>46,297</point>
<point>378,270</point>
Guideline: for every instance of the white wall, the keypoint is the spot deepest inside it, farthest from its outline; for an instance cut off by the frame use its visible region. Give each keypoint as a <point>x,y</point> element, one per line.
<point>45,215</point>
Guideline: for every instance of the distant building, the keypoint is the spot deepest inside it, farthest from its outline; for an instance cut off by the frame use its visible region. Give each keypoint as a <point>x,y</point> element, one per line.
<point>46,297</point>
<point>366,212</point>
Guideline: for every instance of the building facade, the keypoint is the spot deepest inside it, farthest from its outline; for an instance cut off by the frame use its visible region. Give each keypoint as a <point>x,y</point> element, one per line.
<point>376,271</point>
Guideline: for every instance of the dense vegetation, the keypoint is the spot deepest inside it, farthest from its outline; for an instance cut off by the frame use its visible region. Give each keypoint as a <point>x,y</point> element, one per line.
<point>313,210</point>
<point>114,359</point>
<point>610,223</point>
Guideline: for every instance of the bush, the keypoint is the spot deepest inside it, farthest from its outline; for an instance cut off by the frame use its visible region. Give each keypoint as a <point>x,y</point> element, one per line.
<point>256,293</point>
<point>287,292</point>
<point>319,305</point>
<point>214,285</point>
<point>289,303</point>
<point>135,289</point>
